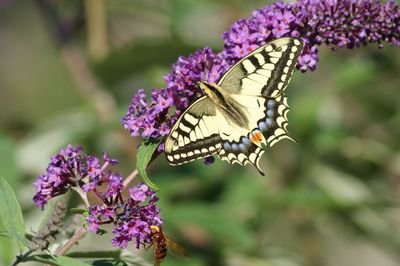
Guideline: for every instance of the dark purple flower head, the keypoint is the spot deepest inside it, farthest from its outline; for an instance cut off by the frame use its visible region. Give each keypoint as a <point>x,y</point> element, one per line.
<point>336,23</point>
<point>62,173</point>
<point>131,218</point>
<point>72,168</point>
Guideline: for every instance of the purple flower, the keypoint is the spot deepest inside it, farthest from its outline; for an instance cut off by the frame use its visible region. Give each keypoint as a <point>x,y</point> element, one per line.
<point>109,160</point>
<point>93,166</point>
<point>72,168</point>
<point>62,173</point>
<point>120,240</point>
<point>92,224</point>
<point>131,218</point>
<point>336,23</point>
<point>285,17</point>
<point>154,120</point>
<point>280,29</point>
<point>139,193</point>
<point>133,124</point>
<point>148,128</point>
<point>114,186</point>
<point>162,103</point>
<point>164,129</point>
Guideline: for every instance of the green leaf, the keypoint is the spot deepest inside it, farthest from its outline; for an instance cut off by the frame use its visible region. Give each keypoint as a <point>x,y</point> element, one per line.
<point>5,234</point>
<point>48,212</point>
<point>116,254</point>
<point>145,154</point>
<point>56,260</point>
<point>11,214</point>
<point>109,263</point>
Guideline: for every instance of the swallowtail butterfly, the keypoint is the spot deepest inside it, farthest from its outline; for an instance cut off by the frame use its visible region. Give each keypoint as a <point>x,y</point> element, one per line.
<point>240,115</point>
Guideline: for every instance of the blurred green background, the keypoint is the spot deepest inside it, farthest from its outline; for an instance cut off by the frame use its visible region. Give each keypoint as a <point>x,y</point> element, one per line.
<point>68,70</point>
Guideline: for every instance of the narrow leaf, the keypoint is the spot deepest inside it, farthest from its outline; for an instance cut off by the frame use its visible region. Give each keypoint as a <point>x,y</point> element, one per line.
<point>109,263</point>
<point>116,254</point>
<point>11,214</point>
<point>56,260</point>
<point>145,154</point>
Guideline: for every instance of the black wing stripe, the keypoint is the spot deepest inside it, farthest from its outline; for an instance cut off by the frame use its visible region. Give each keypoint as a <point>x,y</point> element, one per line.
<point>195,150</point>
<point>274,62</point>
<point>283,71</point>
<point>191,138</point>
<point>254,61</point>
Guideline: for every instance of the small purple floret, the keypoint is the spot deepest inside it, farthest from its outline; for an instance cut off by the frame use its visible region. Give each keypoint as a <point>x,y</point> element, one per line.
<point>139,193</point>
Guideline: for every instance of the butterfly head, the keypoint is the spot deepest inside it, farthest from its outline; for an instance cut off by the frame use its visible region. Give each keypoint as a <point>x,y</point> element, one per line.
<point>204,86</point>
<point>212,90</point>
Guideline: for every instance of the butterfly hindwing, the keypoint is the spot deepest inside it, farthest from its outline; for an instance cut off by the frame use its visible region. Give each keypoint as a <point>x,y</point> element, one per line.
<point>241,152</point>
<point>195,135</point>
<point>267,117</point>
<point>264,72</point>
<point>274,126</point>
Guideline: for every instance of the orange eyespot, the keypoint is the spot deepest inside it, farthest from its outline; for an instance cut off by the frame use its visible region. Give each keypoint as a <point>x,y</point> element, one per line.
<point>256,137</point>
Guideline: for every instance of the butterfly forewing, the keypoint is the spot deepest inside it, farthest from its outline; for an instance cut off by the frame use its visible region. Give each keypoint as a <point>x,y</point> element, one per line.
<point>195,135</point>
<point>264,72</point>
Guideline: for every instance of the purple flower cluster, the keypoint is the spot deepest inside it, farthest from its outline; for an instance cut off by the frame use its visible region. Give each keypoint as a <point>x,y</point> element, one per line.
<point>337,23</point>
<point>71,168</point>
<point>132,218</point>
<point>153,119</point>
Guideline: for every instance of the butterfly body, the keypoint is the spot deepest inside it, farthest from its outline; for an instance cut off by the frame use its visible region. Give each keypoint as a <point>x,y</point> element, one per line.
<point>233,111</point>
<point>240,115</point>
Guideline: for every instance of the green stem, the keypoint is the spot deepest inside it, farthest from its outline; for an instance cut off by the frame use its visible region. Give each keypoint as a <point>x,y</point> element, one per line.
<point>21,258</point>
<point>83,196</point>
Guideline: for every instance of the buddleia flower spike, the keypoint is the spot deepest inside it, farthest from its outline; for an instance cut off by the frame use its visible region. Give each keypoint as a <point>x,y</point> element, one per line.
<point>337,24</point>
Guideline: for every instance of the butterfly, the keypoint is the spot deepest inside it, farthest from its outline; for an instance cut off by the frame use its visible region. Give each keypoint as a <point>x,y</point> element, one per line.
<point>243,113</point>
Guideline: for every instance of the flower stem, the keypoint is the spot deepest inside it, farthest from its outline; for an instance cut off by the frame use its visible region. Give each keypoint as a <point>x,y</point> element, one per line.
<point>83,196</point>
<point>72,241</point>
<point>129,179</point>
<point>105,165</point>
